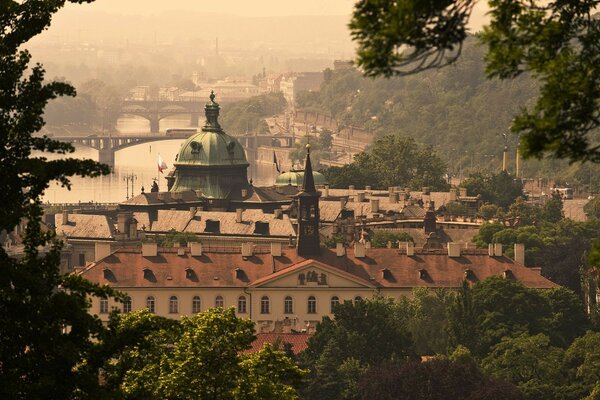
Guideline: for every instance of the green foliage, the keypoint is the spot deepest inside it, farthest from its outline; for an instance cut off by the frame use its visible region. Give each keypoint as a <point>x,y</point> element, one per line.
<point>392,161</point>
<point>552,212</point>
<point>332,241</point>
<point>488,211</point>
<point>346,343</point>
<point>481,316</point>
<point>175,238</point>
<point>427,321</point>
<point>201,357</point>
<point>486,233</point>
<point>592,208</point>
<point>319,149</point>
<point>435,379</point>
<point>46,332</point>
<point>380,239</point>
<point>555,43</point>
<point>500,189</point>
<point>456,208</point>
<point>530,362</point>
<point>248,116</point>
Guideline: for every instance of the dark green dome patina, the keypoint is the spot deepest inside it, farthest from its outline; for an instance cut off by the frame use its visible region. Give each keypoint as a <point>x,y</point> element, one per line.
<point>296,178</point>
<point>211,161</point>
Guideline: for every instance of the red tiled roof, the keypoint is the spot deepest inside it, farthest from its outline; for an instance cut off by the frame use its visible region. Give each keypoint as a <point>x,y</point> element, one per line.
<point>218,269</point>
<point>299,341</point>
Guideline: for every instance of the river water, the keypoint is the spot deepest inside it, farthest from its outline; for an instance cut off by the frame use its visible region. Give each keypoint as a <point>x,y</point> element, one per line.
<point>140,160</point>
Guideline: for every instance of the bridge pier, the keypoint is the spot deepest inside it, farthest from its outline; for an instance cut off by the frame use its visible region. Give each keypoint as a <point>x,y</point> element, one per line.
<point>107,156</point>
<point>154,125</point>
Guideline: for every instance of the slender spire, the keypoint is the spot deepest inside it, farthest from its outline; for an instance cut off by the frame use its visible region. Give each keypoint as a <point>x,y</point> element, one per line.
<point>308,186</point>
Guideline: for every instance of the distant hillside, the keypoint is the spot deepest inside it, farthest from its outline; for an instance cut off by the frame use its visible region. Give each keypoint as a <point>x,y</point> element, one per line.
<point>455,109</point>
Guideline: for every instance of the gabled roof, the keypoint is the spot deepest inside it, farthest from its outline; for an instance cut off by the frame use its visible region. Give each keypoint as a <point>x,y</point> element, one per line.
<point>307,264</point>
<point>382,268</point>
<point>85,226</point>
<point>298,341</point>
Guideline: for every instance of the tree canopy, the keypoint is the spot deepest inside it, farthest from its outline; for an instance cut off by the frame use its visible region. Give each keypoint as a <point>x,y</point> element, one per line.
<point>392,161</point>
<point>555,42</point>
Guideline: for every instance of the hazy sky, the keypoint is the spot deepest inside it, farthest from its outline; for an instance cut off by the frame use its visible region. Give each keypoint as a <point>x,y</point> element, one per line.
<point>251,8</point>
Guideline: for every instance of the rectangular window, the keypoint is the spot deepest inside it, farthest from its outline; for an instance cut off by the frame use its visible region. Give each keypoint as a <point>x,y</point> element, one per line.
<point>81,259</point>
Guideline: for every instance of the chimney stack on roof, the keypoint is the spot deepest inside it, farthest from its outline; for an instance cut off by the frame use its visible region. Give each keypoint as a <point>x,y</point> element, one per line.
<point>520,253</point>
<point>326,191</point>
<point>195,249</point>
<point>360,197</point>
<point>410,248</point>
<point>359,249</point>
<point>193,212</point>
<point>340,251</point>
<point>453,194</point>
<point>149,249</point>
<point>453,249</point>
<point>247,249</point>
<point>374,205</point>
<point>239,214</point>
<point>278,213</point>
<point>65,217</point>
<point>351,188</point>
<point>101,250</point>
<point>276,249</point>
<point>498,249</point>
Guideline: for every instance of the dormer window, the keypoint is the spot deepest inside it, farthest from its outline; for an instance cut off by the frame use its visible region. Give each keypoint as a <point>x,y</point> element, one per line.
<point>149,275</point>
<point>191,274</point>
<point>422,273</point>
<point>469,275</point>
<point>109,275</point>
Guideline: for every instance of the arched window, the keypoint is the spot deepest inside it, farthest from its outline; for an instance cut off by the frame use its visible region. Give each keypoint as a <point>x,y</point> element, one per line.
<point>196,304</point>
<point>103,306</point>
<point>219,301</point>
<point>150,304</point>
<point>241,305</point>
<point>334,302</point>
<point>173,305</point>
<point>357,299</point>
<point>127,305</point>
<point>288,305</point>
<point>312,305</point>
<point>264,305</point>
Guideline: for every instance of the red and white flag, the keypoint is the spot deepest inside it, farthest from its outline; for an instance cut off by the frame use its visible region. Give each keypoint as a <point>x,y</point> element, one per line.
<point>162,165</point>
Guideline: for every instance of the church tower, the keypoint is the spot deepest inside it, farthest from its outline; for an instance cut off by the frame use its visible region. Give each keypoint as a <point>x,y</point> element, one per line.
<point>308,213</point>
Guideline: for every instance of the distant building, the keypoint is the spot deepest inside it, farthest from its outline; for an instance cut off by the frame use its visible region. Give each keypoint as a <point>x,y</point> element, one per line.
<point>300,82</point>
<point>339,65</point>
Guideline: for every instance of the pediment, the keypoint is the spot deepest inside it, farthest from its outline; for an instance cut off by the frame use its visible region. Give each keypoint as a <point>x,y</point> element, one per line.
<point>312,274</point>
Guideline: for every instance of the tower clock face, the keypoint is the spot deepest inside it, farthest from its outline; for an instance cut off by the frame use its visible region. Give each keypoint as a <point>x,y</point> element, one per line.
<point>309,230</point>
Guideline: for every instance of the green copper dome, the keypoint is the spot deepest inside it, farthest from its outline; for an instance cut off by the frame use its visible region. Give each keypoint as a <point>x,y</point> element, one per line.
<point>296,178</point>
<point>211,161</point>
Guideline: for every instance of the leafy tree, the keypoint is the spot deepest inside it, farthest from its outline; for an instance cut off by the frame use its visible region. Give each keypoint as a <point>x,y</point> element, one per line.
<point>46,332</point>
<point>554,42</point>
<point>393,160</point>
<point>531,363</point>
<point>521,213</point>
<point>486,233</point>
<point>350,336</point>
<point>583,357</point>
<point>435,379</point>
<point>495,308</point>
<point>552,211</point>
<point>488,211</point>
<point>456,208</point>
<point>500,189</point>
<point>248,116</point>
<point>201,357</point>
<point>427,322</point>
<point>592,208</point>
<point>380,239</point>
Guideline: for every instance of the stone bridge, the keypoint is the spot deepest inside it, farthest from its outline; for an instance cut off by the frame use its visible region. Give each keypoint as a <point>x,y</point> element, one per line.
<point>108,145</point>
<point>155,110</point>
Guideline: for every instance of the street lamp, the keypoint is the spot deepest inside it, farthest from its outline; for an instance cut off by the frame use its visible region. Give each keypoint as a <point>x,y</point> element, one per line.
<point>129,178</point>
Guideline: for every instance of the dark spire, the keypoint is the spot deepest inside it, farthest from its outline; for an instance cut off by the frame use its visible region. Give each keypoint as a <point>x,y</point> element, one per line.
<point>308,186</point>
